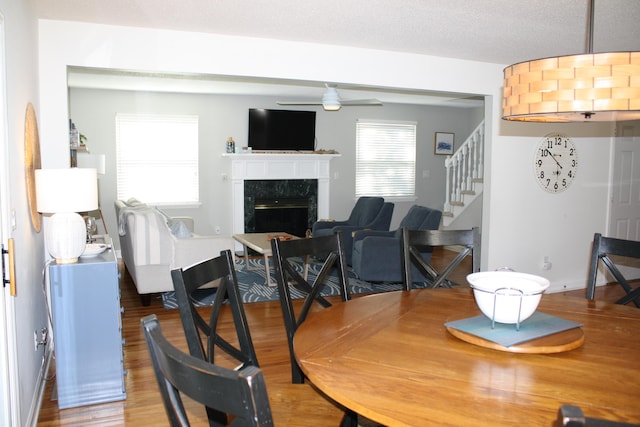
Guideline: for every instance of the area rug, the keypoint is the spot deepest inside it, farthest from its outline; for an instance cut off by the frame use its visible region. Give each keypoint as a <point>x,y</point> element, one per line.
<point>253,286</point>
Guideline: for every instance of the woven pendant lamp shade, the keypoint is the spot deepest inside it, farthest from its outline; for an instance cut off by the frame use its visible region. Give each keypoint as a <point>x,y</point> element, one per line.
<point>588,87</point>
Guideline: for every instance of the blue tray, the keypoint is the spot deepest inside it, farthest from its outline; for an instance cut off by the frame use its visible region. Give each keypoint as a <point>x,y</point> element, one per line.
<point>537,326</point>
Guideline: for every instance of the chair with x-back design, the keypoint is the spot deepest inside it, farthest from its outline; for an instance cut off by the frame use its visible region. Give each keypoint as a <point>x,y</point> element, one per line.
<point>414,242</point>
<point>603,249</point>
<point>286,256</point>
<point>186,282</point>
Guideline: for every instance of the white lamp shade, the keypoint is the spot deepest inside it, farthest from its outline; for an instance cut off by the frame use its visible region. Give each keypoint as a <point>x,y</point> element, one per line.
<point>64,192</point>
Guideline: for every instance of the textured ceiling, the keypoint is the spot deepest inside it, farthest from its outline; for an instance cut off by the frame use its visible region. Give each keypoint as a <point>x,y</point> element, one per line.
<point>497,31</point>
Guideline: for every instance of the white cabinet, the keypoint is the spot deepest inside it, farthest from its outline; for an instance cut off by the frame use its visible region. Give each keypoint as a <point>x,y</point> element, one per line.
<point>87,331</point>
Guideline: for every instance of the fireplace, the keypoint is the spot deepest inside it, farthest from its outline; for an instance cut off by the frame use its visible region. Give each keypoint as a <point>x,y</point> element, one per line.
<point>289,205</point>
<point>278,166</point>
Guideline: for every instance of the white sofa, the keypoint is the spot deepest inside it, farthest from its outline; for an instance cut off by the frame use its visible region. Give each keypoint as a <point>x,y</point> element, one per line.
<point>152,244</point>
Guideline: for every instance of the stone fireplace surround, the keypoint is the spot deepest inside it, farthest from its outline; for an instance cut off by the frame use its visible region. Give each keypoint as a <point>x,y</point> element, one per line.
<point>280,166</point>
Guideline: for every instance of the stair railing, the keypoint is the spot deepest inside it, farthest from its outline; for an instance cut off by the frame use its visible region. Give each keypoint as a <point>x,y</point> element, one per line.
<point>464,167</point>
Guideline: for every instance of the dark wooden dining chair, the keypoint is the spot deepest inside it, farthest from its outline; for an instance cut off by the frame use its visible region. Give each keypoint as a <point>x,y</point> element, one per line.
<point>186,282</point>
<point>572,416</point>
<point>602,250</point>
<point>286,256</point>
<point>414,242</point>
<point>241,393</point>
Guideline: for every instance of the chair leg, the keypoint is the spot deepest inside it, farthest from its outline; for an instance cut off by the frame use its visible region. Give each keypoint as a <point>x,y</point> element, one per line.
<point>631,296</point>
<point>593,268</point>
<point>145,299</point>
<point>349,419</point>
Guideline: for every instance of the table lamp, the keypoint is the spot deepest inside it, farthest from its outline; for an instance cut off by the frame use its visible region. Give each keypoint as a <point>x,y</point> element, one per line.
<point>64,193</point>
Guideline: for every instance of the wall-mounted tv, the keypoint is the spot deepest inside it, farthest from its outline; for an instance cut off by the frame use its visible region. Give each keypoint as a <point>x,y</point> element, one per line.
<point>282,130</point>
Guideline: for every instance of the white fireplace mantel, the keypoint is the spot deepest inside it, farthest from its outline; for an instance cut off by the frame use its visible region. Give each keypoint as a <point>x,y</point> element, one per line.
<point>264,166</point>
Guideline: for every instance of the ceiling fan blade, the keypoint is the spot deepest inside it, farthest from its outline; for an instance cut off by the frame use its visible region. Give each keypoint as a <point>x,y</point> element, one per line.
<point>350,103</point>
<point>299,102</point>
<point>355,102</point>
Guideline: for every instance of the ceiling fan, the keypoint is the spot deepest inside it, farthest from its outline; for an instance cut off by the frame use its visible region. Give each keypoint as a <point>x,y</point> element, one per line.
<point>331,100</point>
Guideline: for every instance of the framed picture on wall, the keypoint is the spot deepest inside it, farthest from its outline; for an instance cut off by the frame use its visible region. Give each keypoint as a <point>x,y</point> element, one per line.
<point>443,143</point>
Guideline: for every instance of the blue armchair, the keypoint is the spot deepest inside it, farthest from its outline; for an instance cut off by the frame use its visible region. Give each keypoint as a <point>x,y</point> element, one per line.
<point>376,255</point>
<point>369,213</point>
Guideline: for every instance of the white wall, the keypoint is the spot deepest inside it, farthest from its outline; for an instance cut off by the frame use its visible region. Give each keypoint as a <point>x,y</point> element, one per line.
<point>26,311</point>
<point>520,222</point>
<point>528,223</point>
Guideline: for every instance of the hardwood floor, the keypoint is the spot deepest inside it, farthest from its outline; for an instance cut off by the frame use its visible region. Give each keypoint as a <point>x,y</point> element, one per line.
<point>292,404</point>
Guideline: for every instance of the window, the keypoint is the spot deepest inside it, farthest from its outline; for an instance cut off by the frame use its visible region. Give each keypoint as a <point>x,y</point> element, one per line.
<point>157,158</point>
<point>385,158</point>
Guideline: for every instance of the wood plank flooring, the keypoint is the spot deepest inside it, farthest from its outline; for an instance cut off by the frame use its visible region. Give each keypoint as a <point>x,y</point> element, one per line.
<point>292,404</point>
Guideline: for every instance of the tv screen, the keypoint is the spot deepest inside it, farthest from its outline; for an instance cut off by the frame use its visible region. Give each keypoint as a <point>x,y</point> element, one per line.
<point>282,130</point>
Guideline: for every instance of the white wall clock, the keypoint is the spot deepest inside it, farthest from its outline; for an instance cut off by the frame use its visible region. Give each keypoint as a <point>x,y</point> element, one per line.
<point>556,163</point>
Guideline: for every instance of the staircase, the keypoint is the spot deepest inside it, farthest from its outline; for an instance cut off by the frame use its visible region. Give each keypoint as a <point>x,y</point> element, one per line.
<point>465,170</point>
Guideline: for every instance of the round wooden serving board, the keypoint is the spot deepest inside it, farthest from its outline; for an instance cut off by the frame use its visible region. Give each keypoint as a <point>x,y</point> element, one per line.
<point>555,343</point>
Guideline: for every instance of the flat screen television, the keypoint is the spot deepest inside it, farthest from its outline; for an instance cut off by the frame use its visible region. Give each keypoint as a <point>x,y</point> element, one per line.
<point>282,130</point>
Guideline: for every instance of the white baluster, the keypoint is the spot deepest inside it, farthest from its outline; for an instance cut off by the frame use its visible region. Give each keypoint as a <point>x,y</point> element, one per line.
<point>447,194</point>
<point>473,159</point>
<point>467,166</point>
<point>458,179</point>
<point>481,153</point>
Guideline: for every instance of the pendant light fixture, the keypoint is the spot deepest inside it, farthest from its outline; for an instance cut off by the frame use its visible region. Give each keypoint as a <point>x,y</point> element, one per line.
<point>598,87</point>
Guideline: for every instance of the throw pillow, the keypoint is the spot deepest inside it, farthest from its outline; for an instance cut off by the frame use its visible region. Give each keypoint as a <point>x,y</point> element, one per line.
<point>179,229</point>
<point>134,202</point>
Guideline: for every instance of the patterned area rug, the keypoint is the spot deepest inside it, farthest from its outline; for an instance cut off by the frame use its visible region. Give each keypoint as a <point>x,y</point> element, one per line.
<point>253,286</point>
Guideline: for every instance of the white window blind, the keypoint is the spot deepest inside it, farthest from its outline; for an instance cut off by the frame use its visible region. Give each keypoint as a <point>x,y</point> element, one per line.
<point>385,158</point>
<point>157,158</point>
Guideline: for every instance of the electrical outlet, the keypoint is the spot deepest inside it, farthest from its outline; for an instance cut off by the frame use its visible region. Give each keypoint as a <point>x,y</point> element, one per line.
<point>40,338</point>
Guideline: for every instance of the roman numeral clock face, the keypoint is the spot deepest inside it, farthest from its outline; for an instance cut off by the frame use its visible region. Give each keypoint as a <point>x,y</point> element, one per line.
<point>556,163</point>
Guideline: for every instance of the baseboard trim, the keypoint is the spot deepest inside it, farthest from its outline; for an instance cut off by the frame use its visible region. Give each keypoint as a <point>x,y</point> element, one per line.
<point>36,403</point>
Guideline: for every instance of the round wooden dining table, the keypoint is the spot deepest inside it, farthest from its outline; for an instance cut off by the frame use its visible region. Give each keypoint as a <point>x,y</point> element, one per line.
<point>390,358</point>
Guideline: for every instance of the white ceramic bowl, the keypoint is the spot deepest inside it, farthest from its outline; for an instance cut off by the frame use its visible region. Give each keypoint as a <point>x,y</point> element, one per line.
<point>507,289</point>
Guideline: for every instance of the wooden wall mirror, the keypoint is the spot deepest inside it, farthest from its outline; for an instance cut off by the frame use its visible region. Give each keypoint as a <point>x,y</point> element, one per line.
<point>32,162</point>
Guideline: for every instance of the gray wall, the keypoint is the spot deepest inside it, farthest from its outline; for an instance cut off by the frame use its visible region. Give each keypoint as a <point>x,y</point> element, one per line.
<point>93,111</point>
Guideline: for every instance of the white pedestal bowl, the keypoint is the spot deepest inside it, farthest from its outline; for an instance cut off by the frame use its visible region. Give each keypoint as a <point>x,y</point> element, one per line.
<point>507,296</point>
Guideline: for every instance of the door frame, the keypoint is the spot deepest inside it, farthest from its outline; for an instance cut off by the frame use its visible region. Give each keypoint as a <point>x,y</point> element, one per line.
<point>9,384</point>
